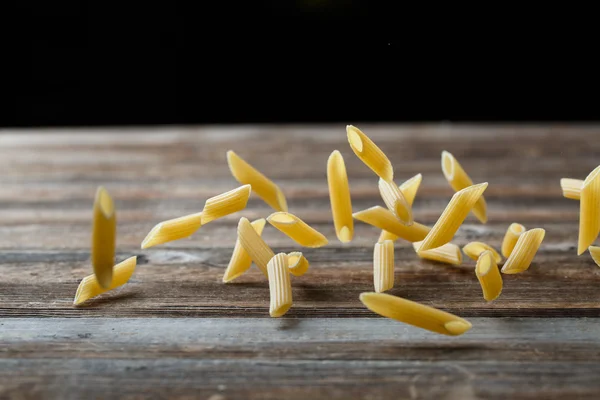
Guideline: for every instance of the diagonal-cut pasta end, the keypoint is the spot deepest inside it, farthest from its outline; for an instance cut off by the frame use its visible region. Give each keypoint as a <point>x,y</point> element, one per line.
<point>153,237</point>
<point>105,202</point>
<point>456,328</point>
<point>595,253</point>
<point>281,217</point>
<point>448,163</point>
<point>354,138</point>
<point>480,210</point>
<point>345,235</point>
<point>281,201</point>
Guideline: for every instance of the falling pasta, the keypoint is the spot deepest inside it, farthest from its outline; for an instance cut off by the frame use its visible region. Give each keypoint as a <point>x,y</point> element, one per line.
<point>383,218</point>
<point>448,253</point>
<point>339,195</point>
<point>266,189</point>
<point>394,200</point>
<point>369,153</point>
<point>525,250</point>
<point>383,266</point>
<point>297,263</point>
<point>297,230</point>
<point>240,261</point>
<point>415,314</point>
<point>459,180</point>
<point>255,246</point>
<point>453,216</point>
<point>280,286</point>
<point>474,249</point>
<point>409,189</point>
<point>488,275</point>
<point>226,203</point>
<point>173,229</point>
<point>89,286</point>
<point>595,253</point>
<point>571,188</point>
<point>510,238</point>
<point>104,233</point>
<point>589,211</point>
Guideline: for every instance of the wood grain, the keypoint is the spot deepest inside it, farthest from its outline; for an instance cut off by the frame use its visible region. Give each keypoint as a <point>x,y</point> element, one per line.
<point>176,331</point>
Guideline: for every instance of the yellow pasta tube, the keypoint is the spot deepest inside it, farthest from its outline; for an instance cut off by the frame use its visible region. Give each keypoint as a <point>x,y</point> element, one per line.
<point>410,188</point>
<point>589,211</point>
<point>595,253</point>
<point>510,238</point>
<point>453,216</point>
<point>571,188</point>
<point>297,230</point>
<point>459,180</point>
<point>173,229</point>
<point>488,275</point>
<point>448,253</point>
<point>525,249</point>
<point>297,263</point>
<point>240,261</point>
<point>266,189</point>
<point>395,201</point>
<point>474,249</point>
<point>254,245</point>
<point>89,286</point>
<point>415,314</point>
<point>280,286</point>
<point>385,235</point>
<point>383,218</point>
<point>383,266</point>
<point>226,203</point>
<point>339,196</point>
<point>369,153</point>
<point>104,232</point>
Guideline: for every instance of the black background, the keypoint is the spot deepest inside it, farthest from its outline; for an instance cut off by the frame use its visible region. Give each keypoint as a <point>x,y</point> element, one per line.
<point>94,63</point>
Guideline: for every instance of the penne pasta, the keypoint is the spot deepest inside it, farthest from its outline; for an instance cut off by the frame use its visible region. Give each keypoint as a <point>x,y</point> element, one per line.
<point>297,263</point>
<point>383,266</point>
<point>589,211</point>
<point>266,189</point>
<point>383,218</point>
<point>571,188</point>
<point>339,196</point>
<point>453,216</point>
<point>595,253</point>
<point>369,153</point>
<point>474,249</point>
<point>488,275</point>
<point>385,235</point>
<point>525,249</point>
<point>173,229</point>
<point>448,253</point>
<point>395,201</point>
<point>280,286</point>
<point>510,238</point>
<point>415,314</point>
<point>104,233</point>
<point>297,230</point>
<point>410,188</point>
<point>226,203</point>
<point>90,287</point>
<point>459,180</point>
<point>240,261</point>
<point>254,245</point>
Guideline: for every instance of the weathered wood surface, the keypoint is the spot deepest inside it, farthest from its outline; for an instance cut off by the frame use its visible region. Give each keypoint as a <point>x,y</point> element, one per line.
<point>134,343</point>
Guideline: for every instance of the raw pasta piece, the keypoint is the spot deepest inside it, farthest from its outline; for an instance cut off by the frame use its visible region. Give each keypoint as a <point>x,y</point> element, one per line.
<point>104,232</point>
<point>474,249</point>
<point>89,286</point>
<point>410,188</point>
<point>173,229</point>
<point>240,261</point>
<point>459,180</point>
<point>595,253</point>
<point>385,235</point>
<point>527,246</point>
<point>383,266</point>
<point>589,211</point>
<point>297,230</point>
<point>280,286</point>
<point>448,253</point>
<point>383,218</point>
<point>297,263</point>
<point>369,153</point>
<point>510,238</point>
<point>266,189</point>
<point>488,275</point>
<point>415,314</point>
<point>395,201</point>
<point>339,196</point>
<point>453,216</point>
<point>226,203</point>
<point>571,188</point>
<point>255,246</point>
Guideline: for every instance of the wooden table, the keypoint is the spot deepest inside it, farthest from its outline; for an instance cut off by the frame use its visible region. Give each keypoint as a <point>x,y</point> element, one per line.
<point>176,331</point>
